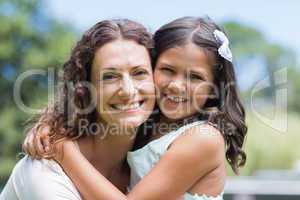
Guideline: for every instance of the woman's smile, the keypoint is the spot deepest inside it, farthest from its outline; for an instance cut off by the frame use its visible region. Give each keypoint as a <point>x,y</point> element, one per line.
<point>129,107</point>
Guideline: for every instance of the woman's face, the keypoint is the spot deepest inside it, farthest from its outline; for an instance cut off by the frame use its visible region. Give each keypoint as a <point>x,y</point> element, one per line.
<point>122,75</point>
<point>183,78</point>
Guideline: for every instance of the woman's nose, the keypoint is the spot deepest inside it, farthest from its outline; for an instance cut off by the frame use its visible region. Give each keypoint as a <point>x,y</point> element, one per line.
<point>127,88</point>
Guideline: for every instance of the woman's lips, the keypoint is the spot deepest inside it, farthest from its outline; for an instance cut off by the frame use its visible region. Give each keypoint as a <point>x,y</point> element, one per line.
<point>128,107</point>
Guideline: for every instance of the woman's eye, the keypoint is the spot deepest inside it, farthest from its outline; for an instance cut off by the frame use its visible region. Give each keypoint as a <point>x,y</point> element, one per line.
<point>109,77</point>
<point>140,72</point>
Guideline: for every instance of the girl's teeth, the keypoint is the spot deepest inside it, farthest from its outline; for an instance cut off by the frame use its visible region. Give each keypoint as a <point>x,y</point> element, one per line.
<point>176,99</point>
<point>127,107</point>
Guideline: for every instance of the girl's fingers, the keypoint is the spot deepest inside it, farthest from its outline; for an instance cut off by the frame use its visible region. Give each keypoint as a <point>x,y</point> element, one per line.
<point>24,145</point>
<point>30,145</point>
<point>46,143</point>
<point>38,146</point>
<point>45,132</point>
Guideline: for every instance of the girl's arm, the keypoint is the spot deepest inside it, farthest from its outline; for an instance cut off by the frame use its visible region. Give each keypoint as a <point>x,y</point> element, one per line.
<point>37,145</point>
<point>191,156</point>
<point>90,183</point>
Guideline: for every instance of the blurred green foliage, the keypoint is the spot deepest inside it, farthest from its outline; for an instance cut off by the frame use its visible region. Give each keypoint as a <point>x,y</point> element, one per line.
<point>30,39</point>
<point>268,148</point>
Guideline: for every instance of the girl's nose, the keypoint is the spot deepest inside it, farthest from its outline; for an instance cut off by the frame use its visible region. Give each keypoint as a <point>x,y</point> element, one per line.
<point>177,87</point>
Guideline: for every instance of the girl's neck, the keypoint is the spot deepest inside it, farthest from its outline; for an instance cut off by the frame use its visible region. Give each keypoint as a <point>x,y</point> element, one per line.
<point>166,125</point>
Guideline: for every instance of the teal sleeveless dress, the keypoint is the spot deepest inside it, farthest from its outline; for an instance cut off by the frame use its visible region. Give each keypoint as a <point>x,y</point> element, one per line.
<point>143,160</point>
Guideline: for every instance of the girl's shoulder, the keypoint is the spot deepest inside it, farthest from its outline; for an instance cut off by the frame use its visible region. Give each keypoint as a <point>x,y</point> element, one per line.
<point>203,139</point>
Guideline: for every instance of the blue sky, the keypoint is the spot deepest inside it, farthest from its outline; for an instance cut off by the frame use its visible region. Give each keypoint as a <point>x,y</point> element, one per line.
<point>276,19</point>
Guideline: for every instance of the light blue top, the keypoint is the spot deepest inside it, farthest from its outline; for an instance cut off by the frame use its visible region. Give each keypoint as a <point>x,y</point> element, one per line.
<point>142,160</point>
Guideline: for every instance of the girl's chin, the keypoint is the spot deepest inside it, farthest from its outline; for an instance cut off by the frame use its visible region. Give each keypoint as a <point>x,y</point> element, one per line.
<point>173,116</point>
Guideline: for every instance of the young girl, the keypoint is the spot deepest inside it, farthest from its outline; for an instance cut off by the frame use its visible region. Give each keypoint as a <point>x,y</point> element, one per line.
<point>200,121</point>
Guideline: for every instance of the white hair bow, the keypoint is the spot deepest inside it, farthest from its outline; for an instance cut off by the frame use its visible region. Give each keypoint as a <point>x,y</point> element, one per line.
<point>224,49</point>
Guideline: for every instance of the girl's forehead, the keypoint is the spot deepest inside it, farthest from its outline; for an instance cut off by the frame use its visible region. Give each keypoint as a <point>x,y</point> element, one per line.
<point>188,55</point>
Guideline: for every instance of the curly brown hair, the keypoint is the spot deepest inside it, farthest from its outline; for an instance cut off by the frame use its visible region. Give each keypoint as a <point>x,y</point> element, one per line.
<point>63,116</point>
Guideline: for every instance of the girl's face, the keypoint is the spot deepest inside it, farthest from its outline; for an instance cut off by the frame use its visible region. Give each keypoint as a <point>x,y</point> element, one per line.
<point>183,78</point>
<point>122,75</point>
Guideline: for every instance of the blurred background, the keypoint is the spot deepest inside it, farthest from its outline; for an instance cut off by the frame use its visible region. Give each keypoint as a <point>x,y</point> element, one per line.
<point>264,36</point>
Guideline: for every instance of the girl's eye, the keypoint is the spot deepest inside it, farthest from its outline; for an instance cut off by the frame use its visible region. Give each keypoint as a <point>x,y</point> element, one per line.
<point>196,77</point>
<point>167,70</point>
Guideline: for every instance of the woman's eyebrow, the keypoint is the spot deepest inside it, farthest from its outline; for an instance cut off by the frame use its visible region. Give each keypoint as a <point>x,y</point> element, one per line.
<point>137,66</point>
<point>110,68</point>
<point>144,66</point>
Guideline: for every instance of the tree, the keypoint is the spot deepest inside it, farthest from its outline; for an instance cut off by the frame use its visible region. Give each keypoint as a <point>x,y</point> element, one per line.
<point>29,39</point>
<point>249,43</point>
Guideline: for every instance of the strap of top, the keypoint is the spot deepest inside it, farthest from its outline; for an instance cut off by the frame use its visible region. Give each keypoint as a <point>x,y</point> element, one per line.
<point>162,144</point>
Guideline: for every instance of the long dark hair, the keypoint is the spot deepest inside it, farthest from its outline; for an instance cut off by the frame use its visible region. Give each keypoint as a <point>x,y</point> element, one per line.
<point>64,115</point>
<point>227,111</point>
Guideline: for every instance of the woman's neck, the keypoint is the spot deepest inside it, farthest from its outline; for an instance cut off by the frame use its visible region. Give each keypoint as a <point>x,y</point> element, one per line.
<point>107,150</point>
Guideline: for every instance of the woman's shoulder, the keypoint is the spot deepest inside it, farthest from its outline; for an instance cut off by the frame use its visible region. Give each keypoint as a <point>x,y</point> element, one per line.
<point>36,172</point>
<point>41,178</point>
<point>38,167</point>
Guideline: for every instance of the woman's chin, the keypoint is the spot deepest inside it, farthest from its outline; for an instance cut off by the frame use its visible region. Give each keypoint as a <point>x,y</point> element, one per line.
<point>132,122</point>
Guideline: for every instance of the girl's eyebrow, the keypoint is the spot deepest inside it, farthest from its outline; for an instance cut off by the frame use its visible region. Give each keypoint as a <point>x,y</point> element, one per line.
<point>167,65</point>
<point>199,71</point>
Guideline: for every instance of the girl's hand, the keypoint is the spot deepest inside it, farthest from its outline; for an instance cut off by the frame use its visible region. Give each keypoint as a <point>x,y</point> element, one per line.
<point>37,142</point>
<point>65,149</point>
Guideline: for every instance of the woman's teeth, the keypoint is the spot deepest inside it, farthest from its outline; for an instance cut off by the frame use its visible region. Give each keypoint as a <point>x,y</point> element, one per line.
<point>176,99</point>
<point>127,106</point>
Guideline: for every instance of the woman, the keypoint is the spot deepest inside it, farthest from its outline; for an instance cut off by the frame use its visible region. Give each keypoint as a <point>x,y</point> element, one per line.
<point>120,47</point>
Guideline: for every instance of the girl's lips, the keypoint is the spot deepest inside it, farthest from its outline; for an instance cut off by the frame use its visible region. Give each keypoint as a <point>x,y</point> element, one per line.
<point>175,98</point>
<point>171,103</point>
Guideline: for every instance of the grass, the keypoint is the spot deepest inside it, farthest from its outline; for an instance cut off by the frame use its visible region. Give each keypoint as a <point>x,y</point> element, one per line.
<point>267,148</point>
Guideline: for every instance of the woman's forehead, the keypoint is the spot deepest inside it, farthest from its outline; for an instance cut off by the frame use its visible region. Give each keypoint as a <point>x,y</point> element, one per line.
<point>120,53</point>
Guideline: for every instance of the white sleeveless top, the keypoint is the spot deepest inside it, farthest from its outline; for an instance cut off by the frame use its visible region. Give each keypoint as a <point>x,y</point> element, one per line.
<point>143,160</point>
<point>39,180</point>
